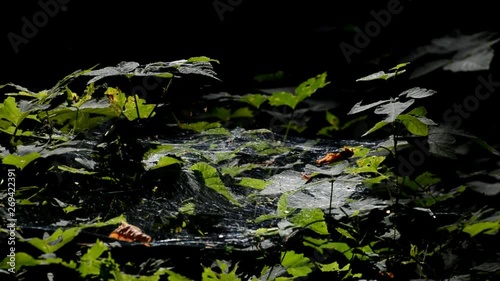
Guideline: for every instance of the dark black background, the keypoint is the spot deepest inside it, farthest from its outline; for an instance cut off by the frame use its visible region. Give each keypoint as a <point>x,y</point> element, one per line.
<point>301,38</point>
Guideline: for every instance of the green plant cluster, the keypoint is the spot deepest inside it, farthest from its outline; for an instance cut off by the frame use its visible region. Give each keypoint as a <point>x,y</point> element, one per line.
<point>82,145</point>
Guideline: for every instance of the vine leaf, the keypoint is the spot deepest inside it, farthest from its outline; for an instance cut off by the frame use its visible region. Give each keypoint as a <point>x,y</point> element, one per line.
<point>381,75</point>
<point>393,109</point>
<point>196,65</point>
<point>359,108</point>
<point>417,93</point>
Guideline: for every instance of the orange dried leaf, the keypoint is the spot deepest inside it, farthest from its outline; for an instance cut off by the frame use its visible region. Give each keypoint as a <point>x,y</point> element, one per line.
<point>332,157</point>
<point>130,233</point>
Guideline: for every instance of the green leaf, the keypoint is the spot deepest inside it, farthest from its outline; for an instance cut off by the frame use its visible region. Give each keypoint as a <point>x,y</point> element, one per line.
<point>296,264</point>
<point>254,183</point>
<point>213,181</point>
<point>375,180</point>
<point>255,100</point>
<point>11,112</point>
<point>236,170</point>
<point>202,59</point>
<point>341,247</point>
<point>311,218</point>
<point>243,112</point>
<point>413,125</point>
<point>20,161</point>
<point>309,87</point>
<point>221,113</point>
<point>217,131</point>
<point>165,161</point>
<point>172,276</point>
<point>345,233</point>
<point>188,208</point>
<point>282,209</point>
<point>418,111</point>
<point>225,275</point>
<point>332,120</point>
<point>70,208</point>
<point>283,98</point>
<point>113,221</point>
<point>331,267</point>
<point>325,131</point>
<point>377,126</point>
<point>368,164</point>
<point>200,126</point>
<point>90,263</point>
<point>55,241</point>
<point>400,65</point>
<point>486,227</point>
<point>24,259</point>
<point>381,75</point>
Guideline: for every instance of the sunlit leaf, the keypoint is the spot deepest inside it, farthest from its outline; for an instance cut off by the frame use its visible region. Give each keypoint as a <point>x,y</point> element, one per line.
<point>202,59</point>
<point>200,126</point>
<point>254,183</point>
<point>368,164</point>
<point>223,275</point>
<point>417,93</point>
<point>381,75</point>
<point>166,161</point>
<point>70,208</point>
<point>135,110</point>
<point>486,227</point>
<point>393,109</point>
<point>296,265</point>
<point>243,112</point>
<point>344,233</point>
<point>311,218</point>
<point>217,131</point>
<point>400,65</point>
<point>221,113</point>
<point>236,170</point>
<point>254,99</point>
<point>283,98</point>
<point>376,127</point>
<point>20,161</point>
<point>172,276</point>
<point>10,111</point>
<point>24,259</point>
<point>89,262</point>
<point>359,108</point>
<point>310,86</point>
<point>332,267</point>
<point>55,241</point>
<point>413,125</point>
<point>332,120</point>
<point>213,181</point>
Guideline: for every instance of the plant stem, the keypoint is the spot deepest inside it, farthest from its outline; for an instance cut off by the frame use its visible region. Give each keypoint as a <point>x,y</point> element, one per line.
<point>287,130</point>
<point>331,199</point>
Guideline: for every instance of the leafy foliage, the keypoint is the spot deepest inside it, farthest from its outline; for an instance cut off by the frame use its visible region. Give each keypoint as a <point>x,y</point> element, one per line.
<point>101,143</point>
